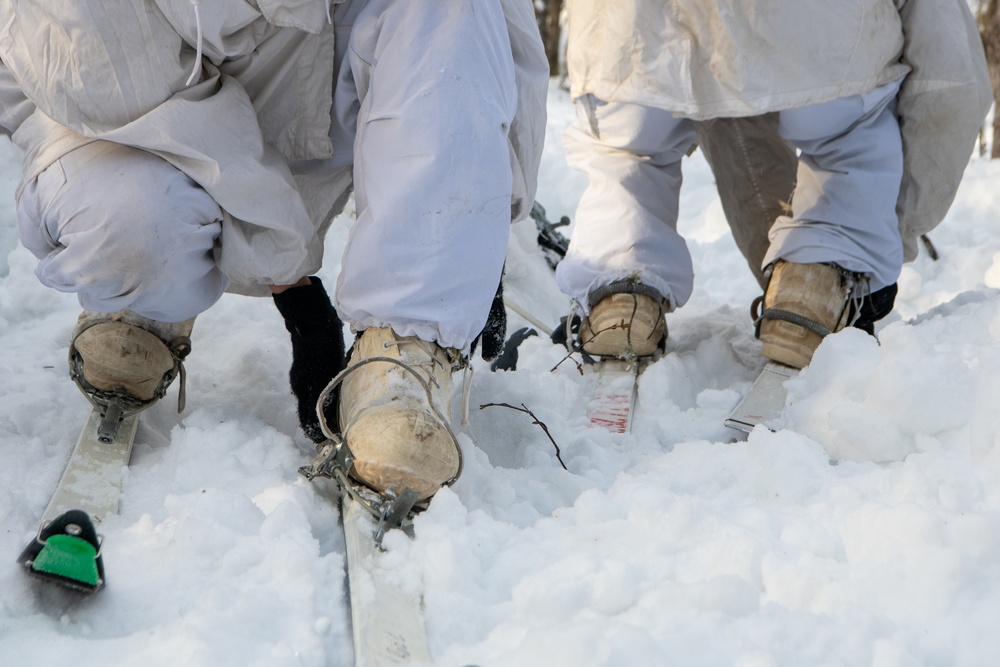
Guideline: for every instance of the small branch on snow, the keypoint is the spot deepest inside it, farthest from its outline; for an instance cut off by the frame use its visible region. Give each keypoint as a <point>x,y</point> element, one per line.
<point>531,414</point>
<point>569,356</point>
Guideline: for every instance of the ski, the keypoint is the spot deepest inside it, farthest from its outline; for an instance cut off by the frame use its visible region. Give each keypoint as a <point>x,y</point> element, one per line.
<point>765,402</point>
<point>67,549</point>
<point>613,401</point>
<point>387,621</point>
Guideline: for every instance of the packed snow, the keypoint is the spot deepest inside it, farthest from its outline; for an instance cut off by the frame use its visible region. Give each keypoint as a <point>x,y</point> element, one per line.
<point>866,531</point>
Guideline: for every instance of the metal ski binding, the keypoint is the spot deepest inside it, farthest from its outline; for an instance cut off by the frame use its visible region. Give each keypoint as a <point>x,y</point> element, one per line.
<point>333,461</point>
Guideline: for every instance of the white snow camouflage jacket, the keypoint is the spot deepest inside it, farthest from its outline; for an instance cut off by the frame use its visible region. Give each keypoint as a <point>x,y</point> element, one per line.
<point>65,80</point>
<point>727,58</point>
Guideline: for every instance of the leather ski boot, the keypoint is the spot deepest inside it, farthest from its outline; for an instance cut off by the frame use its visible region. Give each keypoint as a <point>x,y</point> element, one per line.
<point>626,320</point>
<point>129,358</point>
<point>395,415</point>
<point>804,303</point>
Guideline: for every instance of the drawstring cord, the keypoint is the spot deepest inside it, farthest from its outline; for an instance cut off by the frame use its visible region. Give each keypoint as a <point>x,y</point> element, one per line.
<point>466,393</point>
<point>197,58</point>
<point>862,293</point>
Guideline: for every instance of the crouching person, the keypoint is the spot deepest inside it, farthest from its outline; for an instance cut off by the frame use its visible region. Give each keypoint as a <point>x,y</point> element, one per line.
<point>444,108</point>
<point>184,149</point>
<point>865,133</point>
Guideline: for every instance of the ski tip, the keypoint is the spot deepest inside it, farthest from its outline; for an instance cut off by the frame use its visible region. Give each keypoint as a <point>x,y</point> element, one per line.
<point>739,425</point>
<point>67,551</point>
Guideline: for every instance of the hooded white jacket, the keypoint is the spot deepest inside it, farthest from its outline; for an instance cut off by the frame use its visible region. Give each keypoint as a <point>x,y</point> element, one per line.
<point>727,58</point>
<point>117,71</point>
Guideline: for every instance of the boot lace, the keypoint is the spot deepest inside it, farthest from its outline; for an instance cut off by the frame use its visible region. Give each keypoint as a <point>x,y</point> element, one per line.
<point>196,68</point>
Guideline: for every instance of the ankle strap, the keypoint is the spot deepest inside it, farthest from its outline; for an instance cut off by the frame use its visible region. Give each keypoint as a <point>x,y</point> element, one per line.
<point>624,287</point>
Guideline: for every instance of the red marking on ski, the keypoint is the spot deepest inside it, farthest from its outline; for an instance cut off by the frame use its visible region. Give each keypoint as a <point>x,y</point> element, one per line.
<point>614,414</point>
<point>614,396</point>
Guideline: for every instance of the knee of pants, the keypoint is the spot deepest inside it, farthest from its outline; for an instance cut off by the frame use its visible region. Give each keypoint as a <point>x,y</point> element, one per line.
<point>154,249</point>
<point>120,224</point>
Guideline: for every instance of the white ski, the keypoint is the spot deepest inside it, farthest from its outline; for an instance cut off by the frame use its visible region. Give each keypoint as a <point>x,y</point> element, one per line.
<point>614,397</point>
<point>67,549</point>
<point>765,402</point>
<point>388,623</point>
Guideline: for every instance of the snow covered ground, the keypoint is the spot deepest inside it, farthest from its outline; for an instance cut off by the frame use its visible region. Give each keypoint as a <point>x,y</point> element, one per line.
<point>865,533</point>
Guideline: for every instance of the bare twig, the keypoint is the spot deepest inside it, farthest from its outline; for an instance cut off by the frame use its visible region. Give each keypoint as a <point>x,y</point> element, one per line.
<point>536,421</point>
<point>569,355</point>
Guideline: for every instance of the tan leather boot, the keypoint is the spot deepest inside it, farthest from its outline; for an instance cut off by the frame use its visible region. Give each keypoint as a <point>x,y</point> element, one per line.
<point>126,355</point>
<point>802,304</point>
<point>397,437</point>
<point>626,321</point>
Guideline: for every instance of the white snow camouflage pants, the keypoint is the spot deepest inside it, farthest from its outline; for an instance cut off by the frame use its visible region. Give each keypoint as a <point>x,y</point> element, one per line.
<point>843,207</point>
<point>427,155</point>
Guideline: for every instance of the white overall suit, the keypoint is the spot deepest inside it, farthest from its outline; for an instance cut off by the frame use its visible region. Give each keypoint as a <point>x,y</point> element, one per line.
<point>838,77</point>
<point>155,180</point>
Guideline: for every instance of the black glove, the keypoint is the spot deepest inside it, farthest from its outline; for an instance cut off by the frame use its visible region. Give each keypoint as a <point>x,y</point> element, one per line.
<point>317,352</point>
<point>491,338</point>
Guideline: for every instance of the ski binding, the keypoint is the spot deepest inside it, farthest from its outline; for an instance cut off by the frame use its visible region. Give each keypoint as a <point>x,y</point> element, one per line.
<point>67,549</point>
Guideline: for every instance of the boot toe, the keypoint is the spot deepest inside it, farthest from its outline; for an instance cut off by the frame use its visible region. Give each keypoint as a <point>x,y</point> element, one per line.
<point>118,356</point>
<point>624,325</point>
<point>395,448</point>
